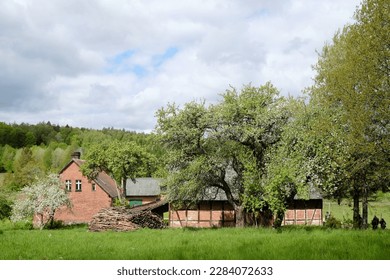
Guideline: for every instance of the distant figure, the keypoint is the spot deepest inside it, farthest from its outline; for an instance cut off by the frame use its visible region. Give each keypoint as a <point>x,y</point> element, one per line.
<point>383,223</point>
<point>375,222</point>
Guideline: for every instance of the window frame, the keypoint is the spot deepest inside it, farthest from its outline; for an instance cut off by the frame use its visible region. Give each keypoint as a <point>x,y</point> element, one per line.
<point>78,185</point>
<point>68,185</point>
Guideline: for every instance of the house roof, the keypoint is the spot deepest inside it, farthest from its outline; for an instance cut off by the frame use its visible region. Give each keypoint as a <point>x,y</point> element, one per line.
<point>143,187</point>
<point>102,179</point>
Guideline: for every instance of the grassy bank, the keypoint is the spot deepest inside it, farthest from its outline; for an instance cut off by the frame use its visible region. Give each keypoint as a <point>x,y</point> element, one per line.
<point>197,244</point>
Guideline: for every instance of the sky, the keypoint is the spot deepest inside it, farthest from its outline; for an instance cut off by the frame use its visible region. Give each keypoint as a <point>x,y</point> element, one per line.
<point>114,63</point>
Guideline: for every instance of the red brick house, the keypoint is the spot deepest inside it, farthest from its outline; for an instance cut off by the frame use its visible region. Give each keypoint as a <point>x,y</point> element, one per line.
<point>87,196</point>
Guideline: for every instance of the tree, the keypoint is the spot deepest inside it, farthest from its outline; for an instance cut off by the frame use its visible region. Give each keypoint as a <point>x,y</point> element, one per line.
<point>353,82</point>
<point>5,208</point>
<point>223,147</point>
<point>26,169</point>
<point>122,160</point>
<point>41,198</point>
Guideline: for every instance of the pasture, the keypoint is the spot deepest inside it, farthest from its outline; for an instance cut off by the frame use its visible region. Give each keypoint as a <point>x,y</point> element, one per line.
<point>289,243</point>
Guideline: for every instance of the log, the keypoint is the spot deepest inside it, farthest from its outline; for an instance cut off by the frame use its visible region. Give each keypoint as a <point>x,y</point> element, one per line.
<point>125,219</point>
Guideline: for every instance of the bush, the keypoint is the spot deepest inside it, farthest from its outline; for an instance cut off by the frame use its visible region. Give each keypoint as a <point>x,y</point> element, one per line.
<point>332,222</point>
<point>55,224</point>
<point>5,208</point>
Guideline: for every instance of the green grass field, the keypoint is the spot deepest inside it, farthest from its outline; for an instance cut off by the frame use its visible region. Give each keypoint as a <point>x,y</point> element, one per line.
<point>289,243</point>
<point>304,243</point>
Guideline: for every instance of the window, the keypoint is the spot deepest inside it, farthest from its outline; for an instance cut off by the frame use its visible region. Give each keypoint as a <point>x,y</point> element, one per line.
<point>93,187</point>
<point>68,185</point>
<point>78,185</point>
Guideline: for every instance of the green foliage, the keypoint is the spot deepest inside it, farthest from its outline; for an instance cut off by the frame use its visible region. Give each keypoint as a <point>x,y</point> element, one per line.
<point>120,159</point>
<point>5,208</point>
<point>54,224</point>
<point>224,147</point>
<point>353,86</point>
<point>332,222</point>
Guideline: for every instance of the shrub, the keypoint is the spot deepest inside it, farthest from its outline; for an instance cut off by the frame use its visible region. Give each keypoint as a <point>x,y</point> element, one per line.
<point>332,222</point>
<point>55,224</point>
<point>5,208</point>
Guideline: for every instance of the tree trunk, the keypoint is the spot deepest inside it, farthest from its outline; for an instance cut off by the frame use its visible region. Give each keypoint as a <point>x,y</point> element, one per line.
<point>356,210</point>
<point>240,215</point>
<point>365,207</point>
<point>279,219</point>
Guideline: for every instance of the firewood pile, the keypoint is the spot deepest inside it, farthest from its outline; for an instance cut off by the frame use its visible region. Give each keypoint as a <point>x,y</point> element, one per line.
<point>125,219</point>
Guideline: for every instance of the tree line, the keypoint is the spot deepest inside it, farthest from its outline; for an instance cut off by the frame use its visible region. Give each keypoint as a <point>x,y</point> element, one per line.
<point>28,151</point>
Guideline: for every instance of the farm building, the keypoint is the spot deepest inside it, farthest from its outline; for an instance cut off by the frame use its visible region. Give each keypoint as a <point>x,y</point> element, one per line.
<point>87,196</point>
<point>216,211</point>
<point>305,211</point>
<point>142,190</point>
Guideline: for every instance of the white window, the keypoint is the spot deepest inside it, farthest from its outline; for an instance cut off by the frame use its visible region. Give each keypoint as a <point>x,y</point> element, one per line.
<point>78,185</point>
<point>93,187</point>
<point>68,185</point>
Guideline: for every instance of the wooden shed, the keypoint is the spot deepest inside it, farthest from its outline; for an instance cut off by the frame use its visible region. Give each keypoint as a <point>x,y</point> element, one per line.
<point>142,191</point>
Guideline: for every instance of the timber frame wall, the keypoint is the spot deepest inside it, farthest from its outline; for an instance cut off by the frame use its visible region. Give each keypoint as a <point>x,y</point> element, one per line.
<point>222,214</point>
<point>203,214</point>
<point>304,212</point>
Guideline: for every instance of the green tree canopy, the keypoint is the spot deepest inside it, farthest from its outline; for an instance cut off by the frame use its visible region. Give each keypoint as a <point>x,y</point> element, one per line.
<point>120,159</point>
<point>224,147</point>
<point>353,84</point>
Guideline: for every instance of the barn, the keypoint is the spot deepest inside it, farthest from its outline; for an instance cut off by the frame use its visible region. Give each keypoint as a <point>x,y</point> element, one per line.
<point>305,211</point>
<point>216,211</point>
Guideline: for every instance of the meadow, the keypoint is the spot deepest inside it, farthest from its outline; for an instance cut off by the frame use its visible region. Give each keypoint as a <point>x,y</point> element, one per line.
<point>289,243</point>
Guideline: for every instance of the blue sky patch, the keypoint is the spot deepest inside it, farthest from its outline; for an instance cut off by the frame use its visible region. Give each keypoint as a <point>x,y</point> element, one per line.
<point>121,63</point>
<point>158,60</point>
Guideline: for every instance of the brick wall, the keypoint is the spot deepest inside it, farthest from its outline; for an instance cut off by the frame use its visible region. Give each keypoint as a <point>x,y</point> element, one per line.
<point>85,203</point>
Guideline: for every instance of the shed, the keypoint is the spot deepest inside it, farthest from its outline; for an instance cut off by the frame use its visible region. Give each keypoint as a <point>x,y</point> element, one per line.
<point>142,190</point>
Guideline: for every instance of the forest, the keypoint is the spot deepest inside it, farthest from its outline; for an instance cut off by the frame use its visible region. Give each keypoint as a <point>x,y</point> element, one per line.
<point>28,150</point>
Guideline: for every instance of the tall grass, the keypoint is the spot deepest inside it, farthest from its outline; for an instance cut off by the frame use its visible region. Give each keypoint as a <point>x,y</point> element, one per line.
<point>195,244</point>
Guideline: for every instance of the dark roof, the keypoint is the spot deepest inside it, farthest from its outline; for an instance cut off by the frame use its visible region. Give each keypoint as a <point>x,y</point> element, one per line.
<point>143,187</point>
<point>102,179</point>
<point>107,184</point>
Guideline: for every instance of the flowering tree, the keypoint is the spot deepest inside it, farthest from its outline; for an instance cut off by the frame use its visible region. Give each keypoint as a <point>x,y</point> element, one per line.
<point>41,198</point>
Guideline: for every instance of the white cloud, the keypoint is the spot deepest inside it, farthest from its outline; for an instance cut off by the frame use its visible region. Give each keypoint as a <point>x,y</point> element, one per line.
<point>104,63</point>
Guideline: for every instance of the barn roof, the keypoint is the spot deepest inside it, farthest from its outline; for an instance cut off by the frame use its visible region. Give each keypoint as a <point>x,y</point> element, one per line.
<point>143,187</point>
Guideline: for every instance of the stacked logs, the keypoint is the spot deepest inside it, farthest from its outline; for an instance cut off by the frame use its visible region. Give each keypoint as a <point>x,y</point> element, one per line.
<point>125,219</point>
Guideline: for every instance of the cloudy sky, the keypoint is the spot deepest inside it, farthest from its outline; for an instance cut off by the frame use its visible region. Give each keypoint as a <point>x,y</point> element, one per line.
<point>113,63</point>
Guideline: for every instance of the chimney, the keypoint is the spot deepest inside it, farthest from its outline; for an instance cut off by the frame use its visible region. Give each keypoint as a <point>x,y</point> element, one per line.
<point>76,155</point>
